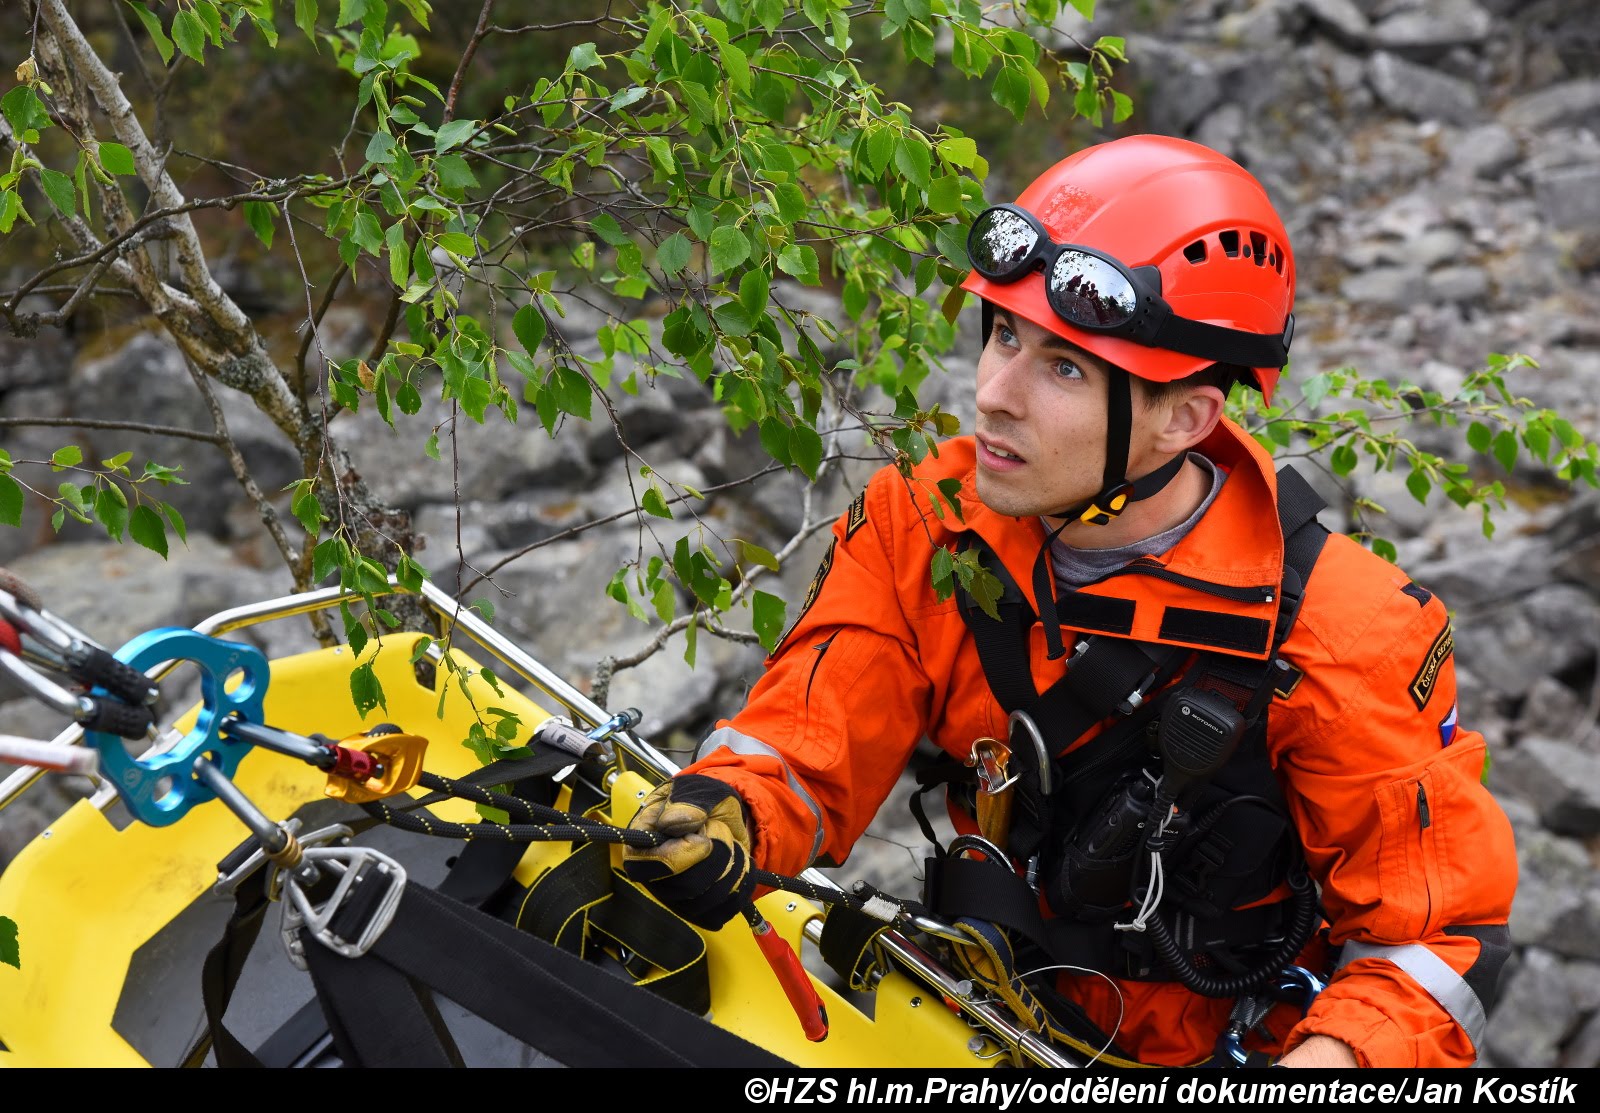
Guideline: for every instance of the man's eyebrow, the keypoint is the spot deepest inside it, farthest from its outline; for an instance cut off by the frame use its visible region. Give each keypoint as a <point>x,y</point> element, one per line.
<point>1051,341</point>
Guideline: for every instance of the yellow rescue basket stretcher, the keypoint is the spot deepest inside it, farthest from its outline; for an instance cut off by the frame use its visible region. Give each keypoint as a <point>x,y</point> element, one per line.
<point>115,917</point>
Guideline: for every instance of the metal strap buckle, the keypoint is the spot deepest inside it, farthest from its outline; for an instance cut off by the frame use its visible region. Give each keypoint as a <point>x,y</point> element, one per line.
<point>356,865</point>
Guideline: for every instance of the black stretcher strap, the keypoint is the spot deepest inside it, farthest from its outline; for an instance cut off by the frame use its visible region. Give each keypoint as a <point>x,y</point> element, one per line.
<point>533,991</point>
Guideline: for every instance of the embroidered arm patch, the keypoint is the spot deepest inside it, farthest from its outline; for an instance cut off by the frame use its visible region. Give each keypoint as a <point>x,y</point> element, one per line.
<point>1428,675</point>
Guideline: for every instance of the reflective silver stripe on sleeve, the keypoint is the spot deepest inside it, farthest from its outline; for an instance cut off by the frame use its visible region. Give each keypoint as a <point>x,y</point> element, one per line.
<point>1433,974</point>
<point>726,738</point>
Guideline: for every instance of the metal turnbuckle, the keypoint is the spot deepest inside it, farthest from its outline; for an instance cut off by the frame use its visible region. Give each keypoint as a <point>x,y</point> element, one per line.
<point>357,866</point>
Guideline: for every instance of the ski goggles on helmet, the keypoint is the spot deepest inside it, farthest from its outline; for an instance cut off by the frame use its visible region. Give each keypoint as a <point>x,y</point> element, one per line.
<point>1090,290</point>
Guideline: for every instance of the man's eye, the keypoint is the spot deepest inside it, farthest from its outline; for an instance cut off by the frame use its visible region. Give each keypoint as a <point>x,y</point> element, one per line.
<point>1068,370</point>
<point>1005,335</point>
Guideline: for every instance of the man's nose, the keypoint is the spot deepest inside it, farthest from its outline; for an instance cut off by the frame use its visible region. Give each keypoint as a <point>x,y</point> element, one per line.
<point>998,384</point>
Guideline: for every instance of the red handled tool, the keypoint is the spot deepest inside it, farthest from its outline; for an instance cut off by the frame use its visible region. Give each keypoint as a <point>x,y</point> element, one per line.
<point>791,975</point>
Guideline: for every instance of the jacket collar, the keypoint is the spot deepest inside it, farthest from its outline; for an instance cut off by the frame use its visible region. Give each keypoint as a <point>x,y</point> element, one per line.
<point>1230,562</point>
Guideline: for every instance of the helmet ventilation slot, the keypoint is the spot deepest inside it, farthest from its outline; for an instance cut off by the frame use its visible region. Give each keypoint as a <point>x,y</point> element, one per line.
<point>1230,243</point>
<point>1258,248</point>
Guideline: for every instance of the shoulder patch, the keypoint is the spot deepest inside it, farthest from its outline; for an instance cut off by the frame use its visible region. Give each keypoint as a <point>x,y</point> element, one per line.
<point>857,516</point>
<point>1422,684</point>
<point>812,591</point>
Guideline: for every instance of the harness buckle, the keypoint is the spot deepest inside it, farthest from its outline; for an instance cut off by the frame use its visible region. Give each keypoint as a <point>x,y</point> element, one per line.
<point>356,866</point>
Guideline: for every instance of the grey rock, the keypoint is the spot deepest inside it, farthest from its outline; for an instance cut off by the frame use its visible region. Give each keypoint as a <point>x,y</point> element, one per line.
<point>1420,92</point>
<point>112,592</point>
<point>1433,26</point>
<point>1562,782</point>
<point>1535,1013</point>
<point>1570,197</point>
<point>494,458</point>
<point>1461,284</point>
<point>1382,287</point>
<point>1178,86</point>
<point>146,382</point>
<point>1341,18</point>
<point>1223,130</point>
<point>1485,151</point>
<point>1573,103</point>
<point>1439,245</point>
<point>1553,710</point>
<point>1583,1050</point>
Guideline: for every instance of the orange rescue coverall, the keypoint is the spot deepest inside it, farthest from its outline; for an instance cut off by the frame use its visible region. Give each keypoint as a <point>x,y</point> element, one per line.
<point>1384,789</point>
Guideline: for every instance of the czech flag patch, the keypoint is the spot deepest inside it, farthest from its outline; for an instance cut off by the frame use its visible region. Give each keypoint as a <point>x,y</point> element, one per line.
<point>1447,727</point>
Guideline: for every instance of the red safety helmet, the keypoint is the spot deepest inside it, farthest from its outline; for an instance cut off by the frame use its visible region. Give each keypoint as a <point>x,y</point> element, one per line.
<point>1197,217</point>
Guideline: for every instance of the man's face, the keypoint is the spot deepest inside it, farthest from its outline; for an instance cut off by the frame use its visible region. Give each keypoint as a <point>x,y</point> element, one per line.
<point>1041,428</point>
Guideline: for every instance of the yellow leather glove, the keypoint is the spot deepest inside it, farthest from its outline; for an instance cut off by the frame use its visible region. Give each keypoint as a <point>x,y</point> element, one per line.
<point>702,869</point>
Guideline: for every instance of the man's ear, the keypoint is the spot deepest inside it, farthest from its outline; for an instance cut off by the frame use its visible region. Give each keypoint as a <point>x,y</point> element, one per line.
<point>1192,417</point>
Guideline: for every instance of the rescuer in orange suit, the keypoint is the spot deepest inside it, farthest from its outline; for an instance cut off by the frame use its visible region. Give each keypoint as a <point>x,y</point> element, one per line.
<point>1124,293</point>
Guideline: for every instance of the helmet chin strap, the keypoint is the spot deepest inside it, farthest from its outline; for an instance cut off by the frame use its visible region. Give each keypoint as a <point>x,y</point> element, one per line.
<point>1118,491</point>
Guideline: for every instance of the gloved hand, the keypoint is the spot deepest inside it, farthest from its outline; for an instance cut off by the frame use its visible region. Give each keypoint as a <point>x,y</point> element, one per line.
<point>702,870</point>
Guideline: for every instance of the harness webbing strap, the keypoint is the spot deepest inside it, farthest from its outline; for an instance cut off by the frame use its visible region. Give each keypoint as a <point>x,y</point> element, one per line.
<point>537,993</point>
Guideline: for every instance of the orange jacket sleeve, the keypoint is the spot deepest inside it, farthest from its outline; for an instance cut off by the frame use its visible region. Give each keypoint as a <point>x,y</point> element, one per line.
<point>1415,858</point>
<point>830,726</point>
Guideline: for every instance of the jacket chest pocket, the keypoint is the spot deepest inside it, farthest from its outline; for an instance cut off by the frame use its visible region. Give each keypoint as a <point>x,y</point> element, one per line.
<point>1409,874</point>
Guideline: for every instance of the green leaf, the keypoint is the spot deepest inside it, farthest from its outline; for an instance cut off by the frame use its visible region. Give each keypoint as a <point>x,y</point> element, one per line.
<point>529,325</point>
<point>67,457</point>
<point>327,556</point>
<point>1419,485</point>
<point>583,57</point>
<point>753,289</point>
<point>912,159</point>
<point>1085,8</point>
<point>1505,449</point>
<point>755,554</point>
<point>116,159</point>
<point>1121,106</point>
<point>454,173</point>
<point>1011,91</point>
<point>380,148</point>
<point>111,507</point>
<point>10,501</point>
<point>178,525</point>
<point>305,18</point>
<point>367,233</point>
<point>805,447</point>
<point>24,111</point>
<point>800,260</point>
<point>961,152</point>
<point>147,528</point>
<point>606,227</point>
<point>729,248</point>
<point>260,216</point>
<point>767,612</point>
<point>190,34</point>
<point>365,690</point>
<point>673,254</point>
<point>10,952</point>
<point>152,25</point>
<point>58,187</point>
<point>944,194</point>
<point>1343,461</point>
<point>654,503</point>
<point>453,134</point>
<point>304,507</point>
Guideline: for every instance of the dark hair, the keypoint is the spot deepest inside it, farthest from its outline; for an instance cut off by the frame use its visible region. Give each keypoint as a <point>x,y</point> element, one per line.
<point>1220,375</point>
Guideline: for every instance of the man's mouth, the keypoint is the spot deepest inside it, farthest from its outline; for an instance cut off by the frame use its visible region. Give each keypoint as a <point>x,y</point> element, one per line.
<point>999,450</point>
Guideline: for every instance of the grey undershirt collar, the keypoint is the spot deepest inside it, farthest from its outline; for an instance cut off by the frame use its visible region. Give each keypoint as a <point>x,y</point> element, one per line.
<point>1076,567</point>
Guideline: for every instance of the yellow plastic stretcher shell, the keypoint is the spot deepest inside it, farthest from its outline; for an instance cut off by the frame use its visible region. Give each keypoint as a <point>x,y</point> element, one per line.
<point>86,896</point>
